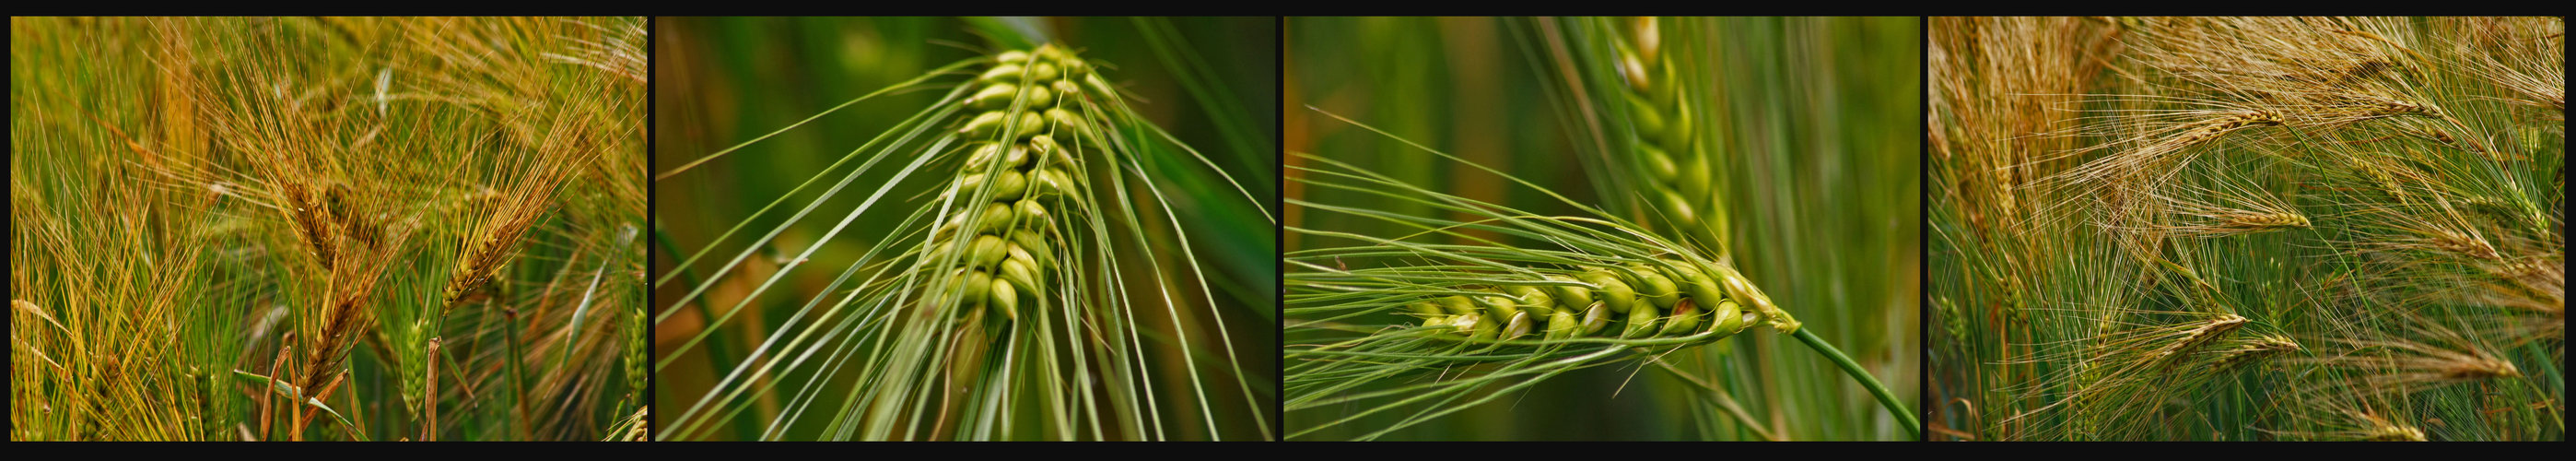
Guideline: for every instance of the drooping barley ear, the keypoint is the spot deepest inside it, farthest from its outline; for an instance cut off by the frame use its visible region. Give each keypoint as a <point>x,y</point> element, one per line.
<point>494,238</point>
<point>2192,339</point>
<point>333,329</point>
<point>2257,349</point>
<point>1684,176</point>
<point>341,321</point>
<point>2382,430</point>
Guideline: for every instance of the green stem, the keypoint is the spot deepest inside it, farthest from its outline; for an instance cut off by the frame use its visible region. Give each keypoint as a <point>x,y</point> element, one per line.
<point>1904,418</point>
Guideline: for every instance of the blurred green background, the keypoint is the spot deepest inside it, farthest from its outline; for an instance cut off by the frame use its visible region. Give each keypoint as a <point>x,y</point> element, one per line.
<point>1823,132</point>
<point>1211,82</point>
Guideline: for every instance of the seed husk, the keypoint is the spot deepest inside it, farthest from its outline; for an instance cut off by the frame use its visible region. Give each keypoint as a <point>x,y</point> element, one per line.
<point>997,218</point>
<point>978,286</point>
<point>1043,72</point>
<point>1729,318</point>
<point>1428,310</point>
<point>1685,316</point>
<point>1007,300</point>
<point>989,251</point>
<point>1501,307</point>
<point>1035,245</point>
<point>1617,293</point>
<point>983,124</point>
<point>1018,272</point>
<point>993,97</point>
<point>1030,123</point>
<point>1657,288</point>
<point>1641,322</point>
<point>1518,327</point>
<point>1570,295</point>
<point>1534,299</point>
<point>1562,325</point>
<point>1006,73</point>
<point>1458,304</point>
<point>1066,122</point>
<point>1596,317</point>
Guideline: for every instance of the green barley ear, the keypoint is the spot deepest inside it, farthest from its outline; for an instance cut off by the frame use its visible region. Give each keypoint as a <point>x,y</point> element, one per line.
<point>1685,176</point>
<point>1680,126</point>
<point>1466,290</point>
<point>1024,274</point>
<point>639,344</point>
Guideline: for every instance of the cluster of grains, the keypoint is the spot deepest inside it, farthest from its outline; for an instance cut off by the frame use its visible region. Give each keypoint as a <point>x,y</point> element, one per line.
<point>1671,299</point>
<point>2391,432</point>
<point>1680,172</point>
<point>2204,333</point>
<point>484,253</point>
<point>2259,348</point>
<point>638,342</point>
<point>2256,222</point>
<point>1017,176</point>
<point>307,212</point>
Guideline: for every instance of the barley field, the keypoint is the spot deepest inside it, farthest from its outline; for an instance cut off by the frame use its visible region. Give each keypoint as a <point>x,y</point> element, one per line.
<point>2247,229</point>
<point>326,228</point>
